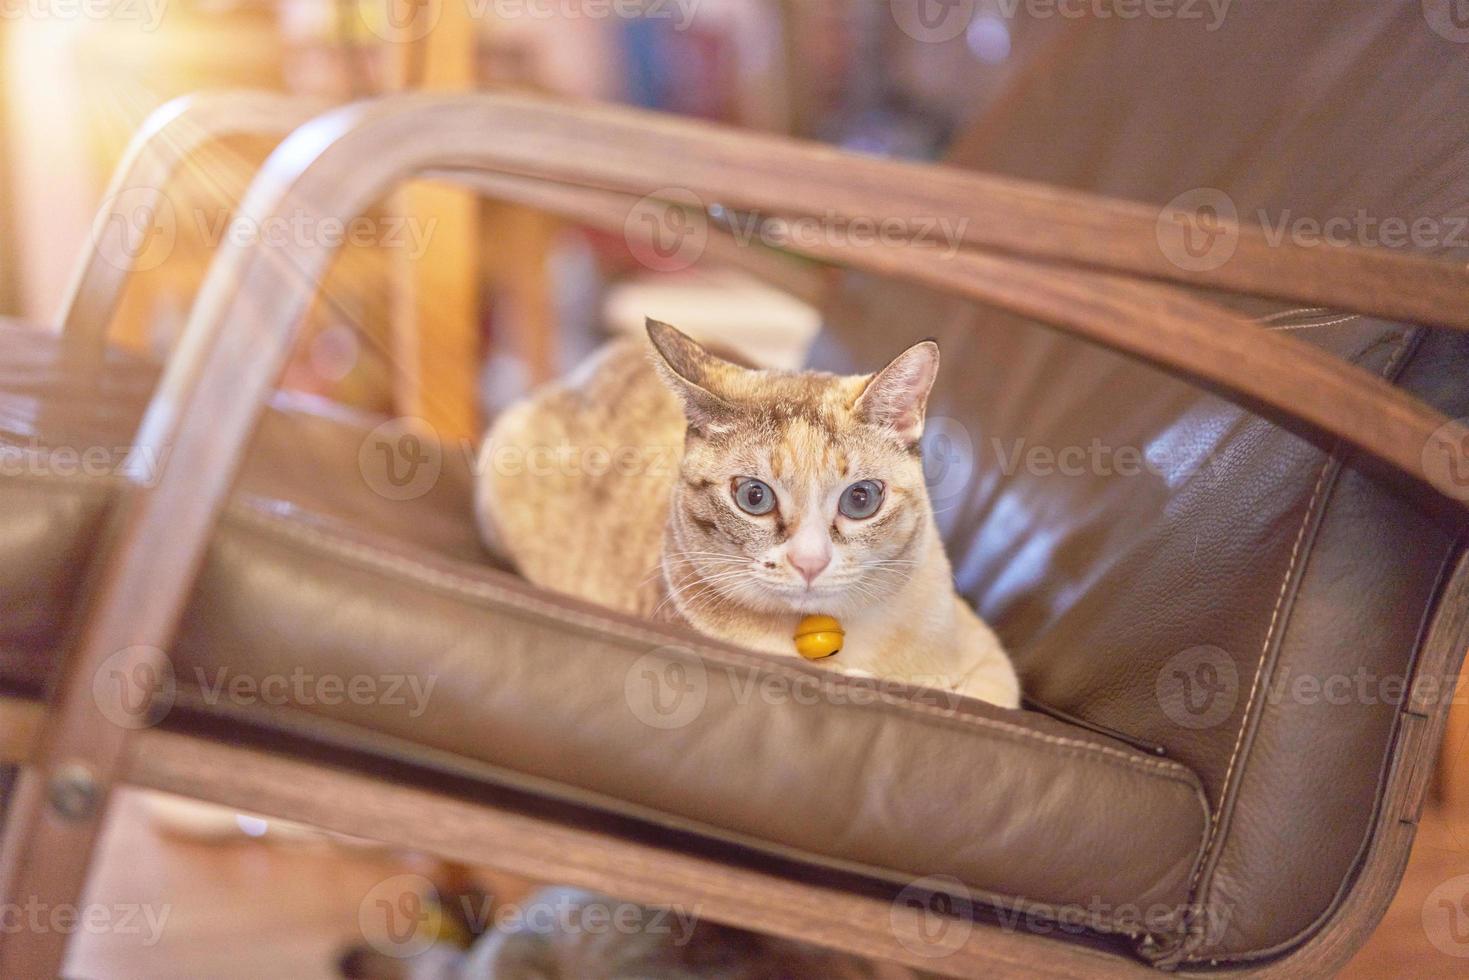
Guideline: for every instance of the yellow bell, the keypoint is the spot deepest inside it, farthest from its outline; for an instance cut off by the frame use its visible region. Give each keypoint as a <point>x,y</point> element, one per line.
<point>818,637</point>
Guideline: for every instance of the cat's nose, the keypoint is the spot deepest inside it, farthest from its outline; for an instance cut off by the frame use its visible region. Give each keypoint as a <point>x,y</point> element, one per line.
<point>809,564</point>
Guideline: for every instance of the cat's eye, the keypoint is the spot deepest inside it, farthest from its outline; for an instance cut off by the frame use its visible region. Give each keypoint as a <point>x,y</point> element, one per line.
<point>754,496</point>
<point>861,500</point>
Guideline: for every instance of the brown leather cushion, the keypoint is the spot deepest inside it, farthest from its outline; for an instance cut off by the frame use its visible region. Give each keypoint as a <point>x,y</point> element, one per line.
<point>314,574</point>
<point>1136,540</point>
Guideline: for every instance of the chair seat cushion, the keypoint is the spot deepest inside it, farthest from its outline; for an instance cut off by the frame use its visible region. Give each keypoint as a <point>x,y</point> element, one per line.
<point>327,604</point>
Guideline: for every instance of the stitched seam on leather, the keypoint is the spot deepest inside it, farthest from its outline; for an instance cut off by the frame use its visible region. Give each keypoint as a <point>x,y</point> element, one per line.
<point>1312,326</point>
<point>1215,823</point>
<point>392,562</point>
<point>1239,741</point>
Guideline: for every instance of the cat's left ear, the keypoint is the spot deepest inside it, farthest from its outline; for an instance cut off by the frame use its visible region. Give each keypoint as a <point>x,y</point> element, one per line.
<point>897,396</point>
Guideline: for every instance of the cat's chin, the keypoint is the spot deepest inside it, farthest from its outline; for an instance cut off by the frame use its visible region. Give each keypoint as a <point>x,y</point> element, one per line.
<point>804,601</point>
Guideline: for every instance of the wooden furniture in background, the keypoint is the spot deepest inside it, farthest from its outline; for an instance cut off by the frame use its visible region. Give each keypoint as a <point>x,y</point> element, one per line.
<point>1452,785</point>
<point>436,305</point>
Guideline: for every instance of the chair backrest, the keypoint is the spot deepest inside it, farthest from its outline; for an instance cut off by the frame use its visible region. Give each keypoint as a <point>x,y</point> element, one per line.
<point>1165,565</point>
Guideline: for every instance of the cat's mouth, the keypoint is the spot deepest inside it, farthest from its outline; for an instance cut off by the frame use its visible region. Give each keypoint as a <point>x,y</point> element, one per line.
<point>816,597</point>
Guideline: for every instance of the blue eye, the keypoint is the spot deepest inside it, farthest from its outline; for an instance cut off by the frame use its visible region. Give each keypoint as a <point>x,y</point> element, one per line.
<point>861,500</point>
<point>754,496</point>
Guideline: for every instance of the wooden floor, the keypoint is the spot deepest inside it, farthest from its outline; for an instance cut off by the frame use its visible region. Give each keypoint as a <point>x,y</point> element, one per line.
<point>1418,934</point>
<point>247,908</point>
<point>237,908</point>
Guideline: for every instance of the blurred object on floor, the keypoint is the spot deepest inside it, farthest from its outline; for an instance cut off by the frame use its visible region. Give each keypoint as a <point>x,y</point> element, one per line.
<point>722,306</point>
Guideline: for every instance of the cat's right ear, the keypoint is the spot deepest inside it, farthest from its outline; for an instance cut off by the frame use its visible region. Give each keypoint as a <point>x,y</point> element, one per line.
<point>689,370</point>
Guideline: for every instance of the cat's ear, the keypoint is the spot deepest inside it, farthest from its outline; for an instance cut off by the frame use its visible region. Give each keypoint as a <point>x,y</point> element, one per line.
<point>897,396</point>
<point>691,371</point>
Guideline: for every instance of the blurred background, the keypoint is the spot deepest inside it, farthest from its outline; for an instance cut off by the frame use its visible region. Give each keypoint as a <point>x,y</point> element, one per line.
<point>469,282</point>
<point>453,306</point>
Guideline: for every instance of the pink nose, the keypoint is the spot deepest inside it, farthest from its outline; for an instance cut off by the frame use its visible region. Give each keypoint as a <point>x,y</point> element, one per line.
<point>809,566</point>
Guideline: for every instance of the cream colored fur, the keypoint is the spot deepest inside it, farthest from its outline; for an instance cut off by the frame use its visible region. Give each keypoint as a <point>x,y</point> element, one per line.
<point>615,485</point>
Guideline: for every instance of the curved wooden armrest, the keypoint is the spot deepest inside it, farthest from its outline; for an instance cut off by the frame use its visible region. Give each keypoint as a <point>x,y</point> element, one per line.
<point>242,327</point>
<point>621,148</point>
<point>167,138</point>
<point>1294,383</point>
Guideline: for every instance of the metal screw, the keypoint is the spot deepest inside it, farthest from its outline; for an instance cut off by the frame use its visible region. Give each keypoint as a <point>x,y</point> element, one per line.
<point>73,792</point>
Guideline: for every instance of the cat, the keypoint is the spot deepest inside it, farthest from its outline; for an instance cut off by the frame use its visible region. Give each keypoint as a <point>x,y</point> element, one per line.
<point>675,484</point>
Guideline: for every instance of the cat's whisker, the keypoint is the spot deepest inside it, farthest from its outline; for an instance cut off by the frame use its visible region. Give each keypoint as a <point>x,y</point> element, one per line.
<point>708,581</point>
<point>684,562</point>
<point>709,561</point>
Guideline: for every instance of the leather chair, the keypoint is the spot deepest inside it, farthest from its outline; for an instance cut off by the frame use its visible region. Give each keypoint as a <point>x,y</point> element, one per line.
<point>1273,500</point>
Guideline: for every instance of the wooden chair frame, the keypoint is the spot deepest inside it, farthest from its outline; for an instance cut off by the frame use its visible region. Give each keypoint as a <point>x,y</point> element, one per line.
<point>1084,264</point>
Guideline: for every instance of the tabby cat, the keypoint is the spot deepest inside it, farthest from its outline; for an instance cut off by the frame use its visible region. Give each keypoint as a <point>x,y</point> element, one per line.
<point>677,485</point>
